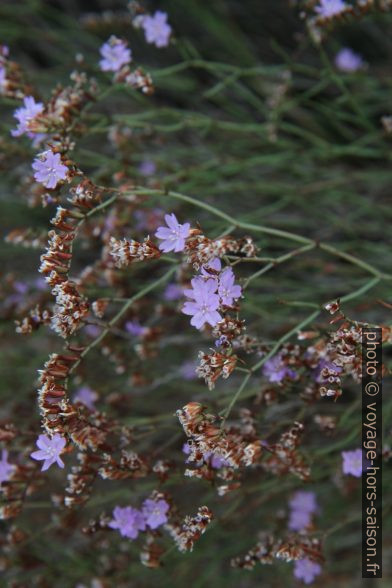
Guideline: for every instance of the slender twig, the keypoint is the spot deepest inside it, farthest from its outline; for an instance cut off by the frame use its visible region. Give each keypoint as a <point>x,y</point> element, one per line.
<point>263,229</point>
<point>121,313</point>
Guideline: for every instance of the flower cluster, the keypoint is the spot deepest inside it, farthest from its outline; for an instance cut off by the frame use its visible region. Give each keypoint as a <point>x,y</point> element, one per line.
<point>129,521</point>
<point>305,552</point>
<point>128,251</point>
<point>208,294</point>
<point>190,529</point>
<point>116,57</point>
<point>70,310</point>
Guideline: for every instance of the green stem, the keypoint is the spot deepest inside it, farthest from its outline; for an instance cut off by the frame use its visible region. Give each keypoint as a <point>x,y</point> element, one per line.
<point>266,230</point>
<point>121,313</point>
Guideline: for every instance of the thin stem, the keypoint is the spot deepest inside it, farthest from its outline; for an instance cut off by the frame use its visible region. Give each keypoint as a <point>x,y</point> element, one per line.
<point>277,261</point>
<point>121,313</point>
<point>262,229</point>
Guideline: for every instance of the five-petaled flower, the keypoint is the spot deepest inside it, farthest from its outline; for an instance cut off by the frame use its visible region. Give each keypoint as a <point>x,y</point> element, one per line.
<point>156,29</point>
<point>306,570</point>
<point>115,54</point>
<point>352,462</point>
<point>25,114</point>
<point>49,170</point>
<point>154,512</point>
<point>49,450</point>
<point>128,521</point>
<point>205,303</point>
<point>6,468</point>
<point>173,236</point>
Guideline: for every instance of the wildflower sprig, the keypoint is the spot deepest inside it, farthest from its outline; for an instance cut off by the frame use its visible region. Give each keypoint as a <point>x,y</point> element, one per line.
<point>151,279</point>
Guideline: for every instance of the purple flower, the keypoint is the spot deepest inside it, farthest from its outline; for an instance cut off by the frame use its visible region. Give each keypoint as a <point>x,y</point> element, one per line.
<point>276,370</point>
<point>135,328</point>
<point>325,363</point>
<point>115,54</point>
<point>303,505</point>
<point>93,330</point>
<point>156,29</point>
<point>6,468</point>
<point>172,292</point>
<point>305,501</point>
<point>147,168</point>
<point>3,76</point>
<point>348,61</point>
<point>173,237</point>
<point>203,308</point>
<point>188,370</point>
<point>128,521</point>
<point>299,520</point>
<point>306,570</point>
<point>329,8</point>
<point>148,219</point>
<point>227,290</point>
<point>48,169</point>
<point>214,264</point>
<point>352,462</point>
<point>154,512</point>
<point>25,114</point>
<point>86,396</point>
<point>216,461</point>
<point>49,450</point>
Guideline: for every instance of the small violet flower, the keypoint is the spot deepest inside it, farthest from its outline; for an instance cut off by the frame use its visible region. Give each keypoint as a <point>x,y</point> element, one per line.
<point>86,396</point>
<point>49,450</point>
<point>25,114</point>
<point>49,170</point>
<point>147,168</point>
<point>173,236</point>
<point>215,265</point>
<point>188,370</point>
<point>329,8</point>
<point>205,304</point>
<point>154,512</point>
<point>156,29</point>
<point>348,61</point>
<point>306,570</point>
<point>3,77</point>
<point>227,290</point>
<point>352,462</point>
<point>172,292</point>
<point>216,461</point>
<point>303,505</point>
<point>135,328</point>
<point>115,54</point>
<point>6,468</point>
<point>276,370</point>
<point>128,521</point>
